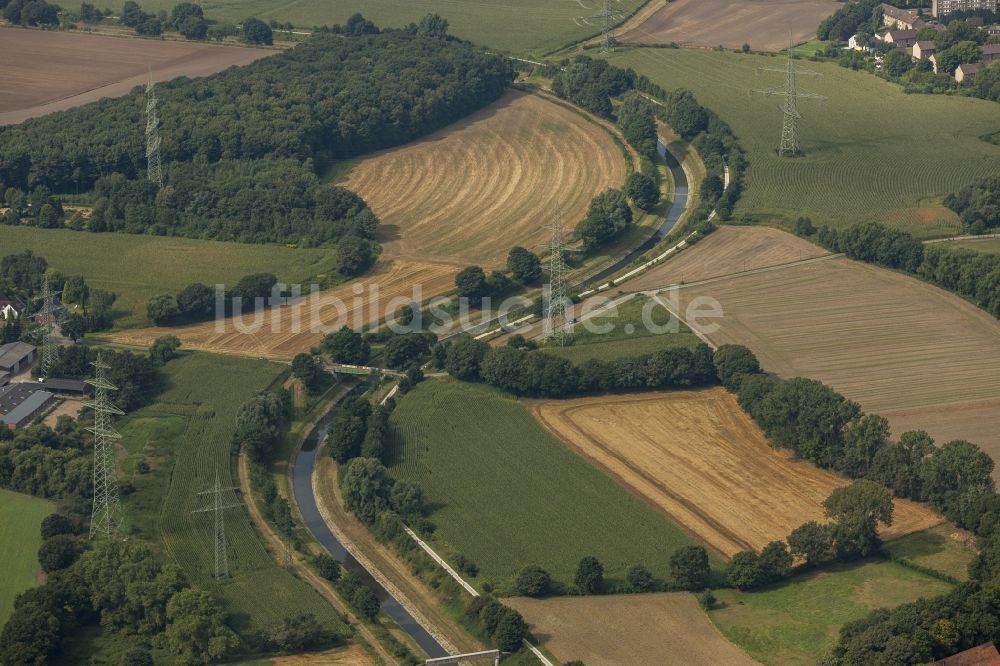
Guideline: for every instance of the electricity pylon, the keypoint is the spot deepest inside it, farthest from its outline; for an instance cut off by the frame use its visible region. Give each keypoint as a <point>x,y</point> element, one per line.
<point>609,16</point>
<point>221,558</point>
<point>106,518</point>
<point>789,145</point>
<point>556,307</point>
<point>48,317</point>
<point>154,169</point>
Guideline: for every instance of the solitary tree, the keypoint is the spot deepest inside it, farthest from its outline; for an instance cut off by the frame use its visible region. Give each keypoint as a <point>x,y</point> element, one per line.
<point>256,31</point>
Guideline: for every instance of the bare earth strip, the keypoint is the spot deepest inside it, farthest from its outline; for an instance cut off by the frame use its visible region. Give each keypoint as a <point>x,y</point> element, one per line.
<point>918,355</point>
<point>764,24</point>
<point>45,71</point>
<point>284,331</point>
<point>726,251</point>
<point>470,192</point>
<point>629,629</point>
<point>696,456</point>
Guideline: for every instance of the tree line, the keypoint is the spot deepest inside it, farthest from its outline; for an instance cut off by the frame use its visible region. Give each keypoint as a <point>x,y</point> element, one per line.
<point>244,149</point>
<point>197,301</point>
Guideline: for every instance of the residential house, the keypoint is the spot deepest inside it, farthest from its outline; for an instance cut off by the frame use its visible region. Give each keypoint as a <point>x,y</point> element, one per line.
<point>993,30</point>
<point>904,19</point>
<point>10,307</point>
<point>941,8</point>
<point>981,655</point>
<point>16,357</point>
<point>991,53</point>
<point>975,21</point>
<point>923,49</point>
<point>900,38</point>
<point>858,42</point>
<point>966,70</point>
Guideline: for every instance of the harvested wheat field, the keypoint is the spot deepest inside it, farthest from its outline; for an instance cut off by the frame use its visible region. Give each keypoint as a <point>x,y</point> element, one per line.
<point>46,71</point>
<point>696,456</point>
<point>473,190</point>
<point>725,251</point>
<point>628,629</point>
<point>916,354</point>
<point>352,655</point>
<point>764,24</point>
<point>282,332</point>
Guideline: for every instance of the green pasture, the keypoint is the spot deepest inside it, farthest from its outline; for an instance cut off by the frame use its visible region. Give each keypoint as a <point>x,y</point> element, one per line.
<point>798,621</point>
<point>872,152</point>
<point>507,494</point>
<point>521,26</point>
<point>138,267</point>
<point>20,518</point>
<point>938,548</point>
<point>986,246</point>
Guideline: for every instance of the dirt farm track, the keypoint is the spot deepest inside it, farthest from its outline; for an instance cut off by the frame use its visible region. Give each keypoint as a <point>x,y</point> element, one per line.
<point>764,24</point>
<point>698,458</point>
<point>45,71</point>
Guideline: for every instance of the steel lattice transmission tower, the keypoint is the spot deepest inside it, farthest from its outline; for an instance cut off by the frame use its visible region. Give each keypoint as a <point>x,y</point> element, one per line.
<point>106,518</point>
<point>557,301</point>
<point>789,145</point>
<point>49,318</point>
<point>154,169</point>
<point>219,509</point>
<point>609,15</point>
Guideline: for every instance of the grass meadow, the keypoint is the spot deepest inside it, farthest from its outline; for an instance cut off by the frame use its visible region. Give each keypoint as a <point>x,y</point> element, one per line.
<point>506,494</point>
<point>798,622</point>
<point>521,26</point>
<point>138,267</point>
<point>185,437</point>
<point>942,548</point>
<point>20,518</point>
<point>872,152</point>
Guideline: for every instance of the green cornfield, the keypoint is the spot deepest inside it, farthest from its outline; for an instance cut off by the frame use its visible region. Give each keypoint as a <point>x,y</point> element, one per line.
<point>204,394</point>
<point>872,152</point>
<point>505,493</point>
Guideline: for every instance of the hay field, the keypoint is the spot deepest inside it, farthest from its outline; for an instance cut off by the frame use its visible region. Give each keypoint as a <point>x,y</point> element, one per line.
<point>46,71</point>
<point>725,251</point>
<point>521,26</point>
<point>20,517</point>
<point>628,629</point>
<point>698,458</point>
<point>473,190</point>
<point>138,267</point>
<point>914,353</point>
<point>872,151</point>
<point>766,25</point>
<point>282,332</point>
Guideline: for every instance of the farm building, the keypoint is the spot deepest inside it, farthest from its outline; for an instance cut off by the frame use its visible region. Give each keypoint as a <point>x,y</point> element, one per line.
<point>4,378</point>
<point>900,38</point>
<point>904,19</point>
<point>981,655</point>
<point>16,357</point>
<point>21,403</point>
<point>966,71</point>
<point>923,49</point>
<point>10,307</point>
<point>69,387</point>
<point>944,7</point>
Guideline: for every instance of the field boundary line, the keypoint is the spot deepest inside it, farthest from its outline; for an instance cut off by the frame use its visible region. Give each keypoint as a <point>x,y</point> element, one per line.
<point>444,565</point>
<point>538,653</point>
<point>748,273</point>
<point>694,329</point>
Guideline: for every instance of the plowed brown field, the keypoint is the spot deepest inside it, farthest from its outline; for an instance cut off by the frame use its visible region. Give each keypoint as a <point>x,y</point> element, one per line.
<point>665,628</point>
<point>725,251</point>
<point>45,71</point>
<point>916,354</point>
<point>696,456</point>
<point>764,24</point>
<point>284,331</point>
<point>471,191</point>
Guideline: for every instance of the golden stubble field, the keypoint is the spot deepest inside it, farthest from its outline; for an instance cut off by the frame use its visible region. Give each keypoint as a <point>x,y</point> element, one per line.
<point>698,458</point>
<point>282,332</point>
<point>628,629</point>
<point>916,354</point>
<point>473,190</point>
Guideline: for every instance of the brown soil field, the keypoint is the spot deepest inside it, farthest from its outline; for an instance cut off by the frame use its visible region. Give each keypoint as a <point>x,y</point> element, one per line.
<point>352,655</point>
<point>282,332</point>
<point>45,71</point>
<point>725,251</point>
<point>473,190</point>
<point>764,24</point>
<point>629,629</point>
<point>696,456</point>
<point>918,355</point>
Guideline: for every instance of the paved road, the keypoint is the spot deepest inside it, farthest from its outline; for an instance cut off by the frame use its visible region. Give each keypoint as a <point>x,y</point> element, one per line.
<point>302,474</point>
